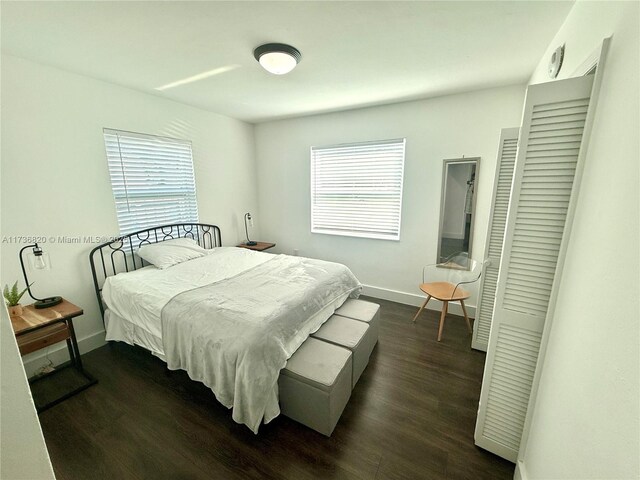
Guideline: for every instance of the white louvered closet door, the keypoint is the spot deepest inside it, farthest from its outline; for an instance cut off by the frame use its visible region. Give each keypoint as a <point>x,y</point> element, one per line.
<point>548,150</point>
<point>495,236</point>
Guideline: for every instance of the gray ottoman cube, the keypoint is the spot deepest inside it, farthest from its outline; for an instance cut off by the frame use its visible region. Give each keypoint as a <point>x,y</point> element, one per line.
<point>362,311</point>
<point>356,336</point>
<point>315,385</point>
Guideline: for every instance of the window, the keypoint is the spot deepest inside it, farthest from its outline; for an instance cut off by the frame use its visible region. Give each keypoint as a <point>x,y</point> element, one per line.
<point>152,180</point>
<point>356,189</point>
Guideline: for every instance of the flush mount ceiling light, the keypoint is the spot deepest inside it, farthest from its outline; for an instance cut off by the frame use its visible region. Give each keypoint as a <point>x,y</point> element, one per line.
<point>277,58</point>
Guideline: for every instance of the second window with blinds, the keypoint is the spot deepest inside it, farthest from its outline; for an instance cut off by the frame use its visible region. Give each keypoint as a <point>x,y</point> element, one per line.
<point>356,189</point>
<point>152,180</point>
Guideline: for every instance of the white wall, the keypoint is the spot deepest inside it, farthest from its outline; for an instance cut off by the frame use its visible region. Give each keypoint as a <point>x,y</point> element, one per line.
<point>55,180</point>
<point>586,418</point>
<point>23,454</point>
<point>436,129</point>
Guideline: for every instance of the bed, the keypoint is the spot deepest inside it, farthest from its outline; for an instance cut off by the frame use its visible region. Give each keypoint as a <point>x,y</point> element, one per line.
<point>230,317</point>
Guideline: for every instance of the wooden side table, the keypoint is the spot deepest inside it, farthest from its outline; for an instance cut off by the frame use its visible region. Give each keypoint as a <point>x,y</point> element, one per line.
<point>259,247</point>
<point>39,328</point>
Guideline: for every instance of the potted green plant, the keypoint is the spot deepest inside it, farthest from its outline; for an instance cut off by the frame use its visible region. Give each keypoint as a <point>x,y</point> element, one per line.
<point>12,298</point>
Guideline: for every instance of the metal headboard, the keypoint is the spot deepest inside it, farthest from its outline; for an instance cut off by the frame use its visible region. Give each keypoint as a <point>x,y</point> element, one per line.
<point>119,255</point>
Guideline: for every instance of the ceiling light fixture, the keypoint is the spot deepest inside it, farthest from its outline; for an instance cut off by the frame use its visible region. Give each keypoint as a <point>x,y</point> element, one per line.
<point>277,58</point>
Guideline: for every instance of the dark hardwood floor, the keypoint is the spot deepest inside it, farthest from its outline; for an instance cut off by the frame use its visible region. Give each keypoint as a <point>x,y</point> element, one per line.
<point>411,416</point>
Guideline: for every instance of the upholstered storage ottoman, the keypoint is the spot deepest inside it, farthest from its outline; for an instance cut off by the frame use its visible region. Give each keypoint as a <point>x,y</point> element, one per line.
<point>357,336</point>
<point>315,385</point>
<point>363,311</point>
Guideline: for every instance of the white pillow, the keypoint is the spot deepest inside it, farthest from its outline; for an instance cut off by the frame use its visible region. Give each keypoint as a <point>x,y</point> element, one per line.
<point>171,252</point>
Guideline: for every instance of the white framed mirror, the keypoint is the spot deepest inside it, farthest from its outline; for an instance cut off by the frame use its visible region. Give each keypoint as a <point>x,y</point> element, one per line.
<point>457,211</point>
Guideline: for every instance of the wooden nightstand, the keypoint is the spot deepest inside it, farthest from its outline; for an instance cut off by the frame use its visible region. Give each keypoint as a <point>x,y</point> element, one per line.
<point>40,328</point>
<point>259,247</point>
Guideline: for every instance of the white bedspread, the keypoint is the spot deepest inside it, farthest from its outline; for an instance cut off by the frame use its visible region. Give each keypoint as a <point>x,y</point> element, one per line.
<point>236,335</point>
<point>255,308</point>
<point>139,296</point>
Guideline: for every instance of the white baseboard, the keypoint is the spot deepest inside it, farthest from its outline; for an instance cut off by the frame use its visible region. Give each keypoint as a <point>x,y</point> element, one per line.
<point>59,354</point>
<point>414,299</point>
<point>521,471</point>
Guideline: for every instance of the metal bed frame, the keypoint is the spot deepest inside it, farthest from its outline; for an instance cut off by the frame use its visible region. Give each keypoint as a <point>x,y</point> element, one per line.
<point>119,255</point>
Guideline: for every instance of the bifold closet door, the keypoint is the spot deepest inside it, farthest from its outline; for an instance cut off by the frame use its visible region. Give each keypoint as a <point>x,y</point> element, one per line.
<point>548,150</point>
<point>495,236</point>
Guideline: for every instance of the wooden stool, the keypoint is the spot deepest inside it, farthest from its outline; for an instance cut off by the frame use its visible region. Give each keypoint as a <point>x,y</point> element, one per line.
<point>445,292</point>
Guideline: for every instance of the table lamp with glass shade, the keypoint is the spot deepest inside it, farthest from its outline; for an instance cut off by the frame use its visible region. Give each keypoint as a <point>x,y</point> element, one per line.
<point>38,260</point>
<point>248,220</point>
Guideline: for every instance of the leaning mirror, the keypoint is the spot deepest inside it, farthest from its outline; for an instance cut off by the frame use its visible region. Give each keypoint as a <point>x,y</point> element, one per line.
<point>457,211</point>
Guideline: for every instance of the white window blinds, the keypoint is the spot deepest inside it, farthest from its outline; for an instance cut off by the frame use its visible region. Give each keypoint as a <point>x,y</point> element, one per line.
<point>152,180</point>
<point>356,189</point>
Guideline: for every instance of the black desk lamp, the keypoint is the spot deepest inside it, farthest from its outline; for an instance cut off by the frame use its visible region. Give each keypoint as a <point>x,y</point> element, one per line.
<point>40,262</point>
<point>247,218</point>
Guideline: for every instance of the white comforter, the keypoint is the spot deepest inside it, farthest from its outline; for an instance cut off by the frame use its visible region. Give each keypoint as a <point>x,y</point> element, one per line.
<point>234,333</point>
<point>140,296</point>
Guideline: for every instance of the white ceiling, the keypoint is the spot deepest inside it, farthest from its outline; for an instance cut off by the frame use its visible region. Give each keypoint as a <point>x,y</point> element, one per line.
<point>354,54</point>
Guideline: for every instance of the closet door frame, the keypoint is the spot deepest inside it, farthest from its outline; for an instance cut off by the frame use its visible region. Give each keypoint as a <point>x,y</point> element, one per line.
<point>537,326</point>
<point>536,221</point>
<point>506,134</point>
<point>596,59</point>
